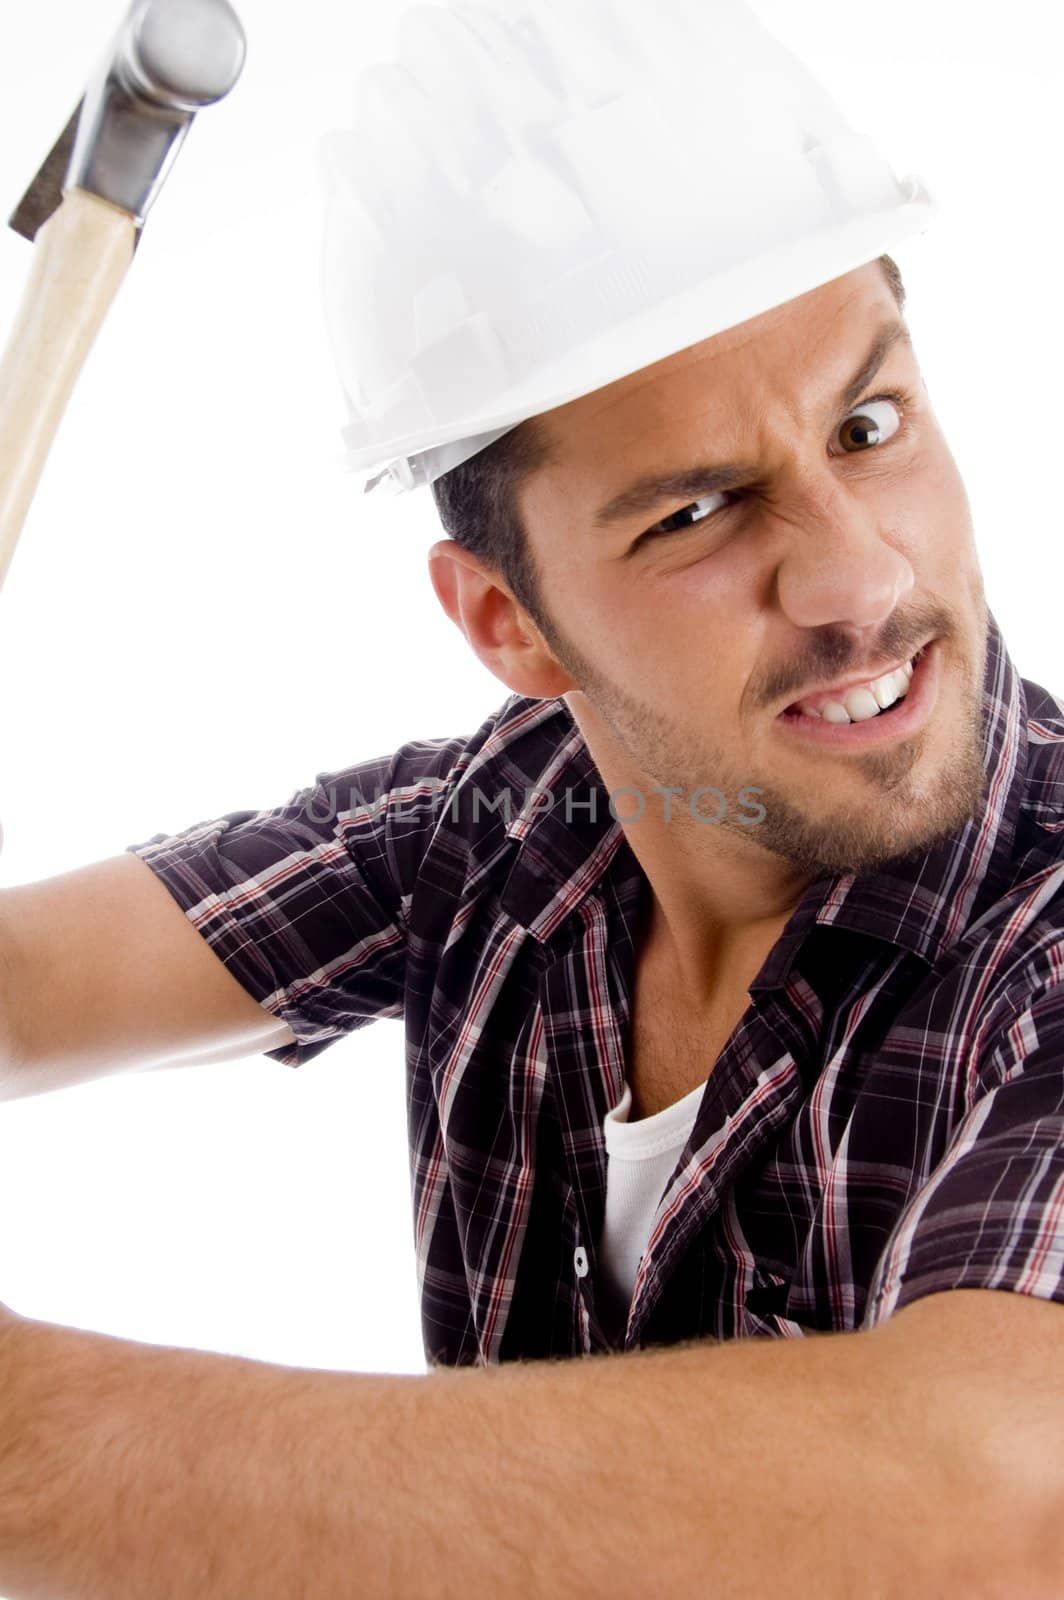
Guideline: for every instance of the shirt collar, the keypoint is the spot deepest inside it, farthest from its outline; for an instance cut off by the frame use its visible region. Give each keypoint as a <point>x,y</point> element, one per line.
<point>565,849</point>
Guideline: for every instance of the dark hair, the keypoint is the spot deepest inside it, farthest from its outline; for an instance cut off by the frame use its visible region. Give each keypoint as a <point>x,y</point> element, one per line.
<point>477,502</point>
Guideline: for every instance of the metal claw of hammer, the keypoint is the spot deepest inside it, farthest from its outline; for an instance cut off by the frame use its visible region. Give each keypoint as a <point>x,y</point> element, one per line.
<point>85,210</point>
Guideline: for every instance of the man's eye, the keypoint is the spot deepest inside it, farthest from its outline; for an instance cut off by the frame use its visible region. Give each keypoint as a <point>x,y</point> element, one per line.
<point>864,425</point>
<point>870,425</point>
<point>678,521</point>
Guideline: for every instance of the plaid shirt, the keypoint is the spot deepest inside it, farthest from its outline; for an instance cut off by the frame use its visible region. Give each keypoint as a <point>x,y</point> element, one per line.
<point>886,1121</point>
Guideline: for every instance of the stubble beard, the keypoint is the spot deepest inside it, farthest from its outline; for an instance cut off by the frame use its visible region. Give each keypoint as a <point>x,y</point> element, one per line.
<point>888,811</point>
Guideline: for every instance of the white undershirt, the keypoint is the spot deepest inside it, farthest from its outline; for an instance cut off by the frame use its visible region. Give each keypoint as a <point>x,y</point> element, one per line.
<point>640,1160</point>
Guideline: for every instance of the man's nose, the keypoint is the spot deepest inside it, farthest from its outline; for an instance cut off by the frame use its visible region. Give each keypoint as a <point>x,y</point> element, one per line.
<point>841,565</point>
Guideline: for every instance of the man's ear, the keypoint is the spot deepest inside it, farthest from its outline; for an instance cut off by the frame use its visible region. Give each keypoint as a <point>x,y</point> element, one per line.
<point>498,629</point>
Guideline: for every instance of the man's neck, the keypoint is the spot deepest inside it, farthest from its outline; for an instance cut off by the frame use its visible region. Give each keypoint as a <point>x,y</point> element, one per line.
<point>698,961</point>
<point>718,901</point>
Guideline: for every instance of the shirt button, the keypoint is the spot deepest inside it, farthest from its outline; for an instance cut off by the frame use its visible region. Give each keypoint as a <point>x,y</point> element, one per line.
<point>580,1262</point>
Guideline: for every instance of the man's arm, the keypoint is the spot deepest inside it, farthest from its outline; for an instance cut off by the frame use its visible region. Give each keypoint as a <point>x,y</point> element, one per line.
<point>921,1459</point>
<point>102,972</point>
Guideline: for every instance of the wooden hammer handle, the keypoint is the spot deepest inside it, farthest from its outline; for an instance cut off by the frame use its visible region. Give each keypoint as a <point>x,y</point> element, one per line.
<point>81,255</point>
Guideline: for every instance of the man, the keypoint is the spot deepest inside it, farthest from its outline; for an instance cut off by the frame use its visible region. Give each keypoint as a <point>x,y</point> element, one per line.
<point>816,955</point>
<point>882,1124</point>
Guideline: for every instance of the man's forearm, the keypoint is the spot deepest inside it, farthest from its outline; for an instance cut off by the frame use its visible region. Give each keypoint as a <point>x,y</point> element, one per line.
<point>129,1470</point>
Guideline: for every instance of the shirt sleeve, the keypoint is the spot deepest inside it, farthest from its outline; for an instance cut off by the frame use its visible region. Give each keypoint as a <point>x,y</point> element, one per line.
<point>991,1216</point>
<point>306,903</point>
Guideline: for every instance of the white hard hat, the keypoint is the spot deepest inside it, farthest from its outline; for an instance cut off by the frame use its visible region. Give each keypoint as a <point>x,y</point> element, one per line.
<point>540,197</point>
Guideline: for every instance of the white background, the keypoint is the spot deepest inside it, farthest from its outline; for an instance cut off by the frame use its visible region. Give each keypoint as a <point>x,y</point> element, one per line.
<point>203,614</point>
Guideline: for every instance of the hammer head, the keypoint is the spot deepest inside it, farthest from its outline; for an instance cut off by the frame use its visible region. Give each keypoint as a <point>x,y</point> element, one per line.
<point>168,59</point>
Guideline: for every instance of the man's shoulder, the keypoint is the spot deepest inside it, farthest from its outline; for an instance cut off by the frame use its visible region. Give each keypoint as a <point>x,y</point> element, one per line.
<point>512,746</point>
<point>517,738</point>
<point>1016,943</point>
<point>1042,802</point>
<point>459,787</point>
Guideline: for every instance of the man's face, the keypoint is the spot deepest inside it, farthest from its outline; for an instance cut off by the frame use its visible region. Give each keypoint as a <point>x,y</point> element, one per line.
<point>689,622</point>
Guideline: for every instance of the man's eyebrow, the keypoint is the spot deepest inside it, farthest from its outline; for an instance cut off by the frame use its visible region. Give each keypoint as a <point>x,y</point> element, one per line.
<point>691,483</point>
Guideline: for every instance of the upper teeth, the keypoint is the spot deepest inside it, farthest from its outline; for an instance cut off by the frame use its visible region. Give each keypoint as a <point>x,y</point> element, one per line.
<point>867,700</point>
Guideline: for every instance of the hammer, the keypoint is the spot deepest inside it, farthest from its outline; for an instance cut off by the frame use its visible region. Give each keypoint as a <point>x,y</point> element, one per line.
<point>86,208</point>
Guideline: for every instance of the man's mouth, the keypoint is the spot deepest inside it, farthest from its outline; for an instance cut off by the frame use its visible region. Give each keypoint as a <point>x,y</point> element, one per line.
<point>862,703</point>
